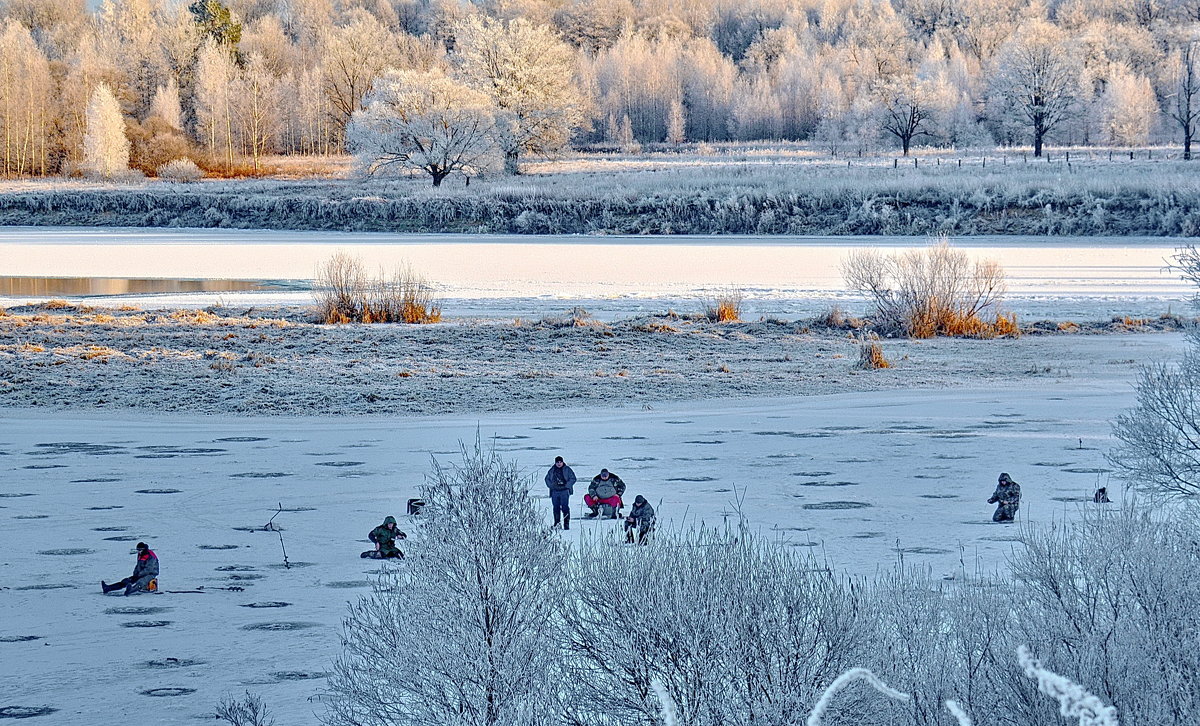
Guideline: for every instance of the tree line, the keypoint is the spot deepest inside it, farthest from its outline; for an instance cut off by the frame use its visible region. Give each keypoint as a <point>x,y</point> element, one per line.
<point>226,82</point>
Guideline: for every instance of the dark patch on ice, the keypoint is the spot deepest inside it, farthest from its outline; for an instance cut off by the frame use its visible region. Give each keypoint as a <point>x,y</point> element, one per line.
<point>295,509</point>
<point>146,624</point>
<point>164,663</point>
<point>787,455</point>
<point>246,578</point>
<point>109,529</point>
<point>181,450</point>
<point>721,491</point>
<point>45,466</point>
<point>938,496</point>
<point>274,528</point>
<point>67,551</point>
<point>1087,470</point>
<point>1070,499</point>
<point>18,638</point>
<point>25,711</point>
<point>107,506</point>
<point>135,610</point>
<point>267,604</point>
<point>813,474</point>
<point>362,446</point>
<point>796,434</point>
<point>714,441</point>
<point>356,474</point>
<point>32,516</point>
<point>347,584</point>
<point>120,538</point>
<point>856,461</point>
<point>923,551</point>
<point>1007,415</point>
<point>910,427</point>
<point>695,458</point>
<point>260,475</point>
<point>1004,538</point>
<point>217,547</point>
<point>157,456</point>
<point>280,626</point>
<point>777,528</point>
<point>340,463</point>
<point>158,491</point>
<point>547,428</point>
<point>528,448</point>
<point>825,483</point>
<point>290,565</point>
<point>58,586</point>
<point>96,480</point>
<point>14,495</point>
<point>624,438</point>
<point>168,692</point>
<point>1053,463</point>
<point>842,428</point>
<point>837,505</point>
<point>692,478</point>
<point>804,544</point>
<point>235,568</point>
<point>636,458</point>
<point>954,457</point>
<point>867,535</point>
<point>320,453</point>
<point>954,435</point>
<point>514,437</point>
<point>678,422</point>
<point>1080,448</point>
<point>241,439</point>
<point>74,447</point>
<point>929,476</point>
<point>298,675</point>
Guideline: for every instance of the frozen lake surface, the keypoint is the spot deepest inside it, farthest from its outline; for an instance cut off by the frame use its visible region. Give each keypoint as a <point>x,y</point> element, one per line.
<point>864,480</point>
<point>498,275</point>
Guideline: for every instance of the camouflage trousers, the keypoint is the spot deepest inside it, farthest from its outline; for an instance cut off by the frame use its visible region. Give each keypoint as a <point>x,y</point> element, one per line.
<point>1005,512</point>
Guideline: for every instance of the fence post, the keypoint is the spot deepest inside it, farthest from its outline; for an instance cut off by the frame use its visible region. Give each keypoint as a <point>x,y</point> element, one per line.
<point>1131,156</point>
<point>895,163</point>
<point>1068,157</point>
<point>960,163</point>
<point>914,162</point>
<point>985,162</point>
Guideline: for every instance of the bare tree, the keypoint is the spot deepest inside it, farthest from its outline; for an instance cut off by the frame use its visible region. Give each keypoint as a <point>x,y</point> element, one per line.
<point>426,122</point>
<point>466,633</point>
<point>907,107</point>
<point>1041,77</point>
<point>1181,89</point>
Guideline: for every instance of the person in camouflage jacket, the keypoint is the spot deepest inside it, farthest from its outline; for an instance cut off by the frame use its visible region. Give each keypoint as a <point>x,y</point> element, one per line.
<point>640,520</point>
<point>384,536</point>
<point>1007,499</point>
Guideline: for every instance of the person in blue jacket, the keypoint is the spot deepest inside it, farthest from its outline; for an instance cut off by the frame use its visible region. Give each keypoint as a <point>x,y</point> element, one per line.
<point>561,482</point>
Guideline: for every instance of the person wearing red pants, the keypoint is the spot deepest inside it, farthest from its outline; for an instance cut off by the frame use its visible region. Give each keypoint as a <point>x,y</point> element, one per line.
<point>605,490</point>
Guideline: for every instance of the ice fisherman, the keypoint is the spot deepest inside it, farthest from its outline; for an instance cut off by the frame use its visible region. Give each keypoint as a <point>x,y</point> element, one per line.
<point>606,489</point>
<point>1007,499</point>
<point>640,520</point>
<point>145,572</point>
<point>561,482</point>
<point>384,536</point>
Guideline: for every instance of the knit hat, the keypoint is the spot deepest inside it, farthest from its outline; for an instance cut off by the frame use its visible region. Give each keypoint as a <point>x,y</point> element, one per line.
<point>639,499</point>
<point>604,472</point>
<point>557,459</point>
<point>142,546</point>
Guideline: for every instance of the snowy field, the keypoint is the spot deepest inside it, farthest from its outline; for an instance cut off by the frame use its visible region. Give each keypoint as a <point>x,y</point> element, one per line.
<point>861,479</point>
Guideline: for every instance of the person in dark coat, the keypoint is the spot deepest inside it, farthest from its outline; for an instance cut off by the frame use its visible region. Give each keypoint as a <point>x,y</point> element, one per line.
<point>144,571</point>
<point>1007,499</point>
<point>1101,496</point>
<point>561,482</point>
<point>640,520</point>
<point>384,536</point>
<point>607,489</point>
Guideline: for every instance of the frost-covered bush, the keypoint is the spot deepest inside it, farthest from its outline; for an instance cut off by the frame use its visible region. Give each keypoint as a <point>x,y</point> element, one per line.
<point>180,170</point>
<point>346,293</point>
<point>105,146</point>
<point>465,633</point>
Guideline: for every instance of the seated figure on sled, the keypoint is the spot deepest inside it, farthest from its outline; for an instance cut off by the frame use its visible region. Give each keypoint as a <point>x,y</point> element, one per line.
<point>639,525</point>
<point>384,536</point>
<point>144,577</point>
<point>604,495</point>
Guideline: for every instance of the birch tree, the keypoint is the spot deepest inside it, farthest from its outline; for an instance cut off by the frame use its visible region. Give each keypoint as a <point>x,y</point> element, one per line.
<point>25,90</point>
<point>215,76</point>
<point>105,146</point>
<point>527,72</point>
<point>424,121</point>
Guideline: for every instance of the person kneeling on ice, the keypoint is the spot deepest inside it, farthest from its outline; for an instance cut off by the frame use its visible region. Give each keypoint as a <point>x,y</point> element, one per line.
<point>384,536</point>
<point>605,490</point>
<point>560,480</point>
<point>641,520</point>
<point>1007,499</point>
<point>144,577</point>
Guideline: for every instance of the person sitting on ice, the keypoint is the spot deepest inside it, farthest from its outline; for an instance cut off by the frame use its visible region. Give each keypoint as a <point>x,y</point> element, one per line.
<point>1007,499</point>
<point>144,577</point>
<point>605,490</point>
<point>640,520</point>
<point>1101,496</point>
<point>384,536</point>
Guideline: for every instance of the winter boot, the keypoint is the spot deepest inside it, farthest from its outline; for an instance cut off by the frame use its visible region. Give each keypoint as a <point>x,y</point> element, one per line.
<point>566,521</point>
<point>592,514</point>
<point>110,588</point>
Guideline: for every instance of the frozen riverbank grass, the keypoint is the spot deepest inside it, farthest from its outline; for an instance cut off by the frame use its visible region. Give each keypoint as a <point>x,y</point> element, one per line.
<point>279,360</point>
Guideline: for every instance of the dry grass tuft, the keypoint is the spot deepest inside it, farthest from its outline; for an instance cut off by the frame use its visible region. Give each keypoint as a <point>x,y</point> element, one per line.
<point>724,307</point>
<point>870,355</point>
<point>30,348</point>
<point>346,294</point>
<point>57,304</point>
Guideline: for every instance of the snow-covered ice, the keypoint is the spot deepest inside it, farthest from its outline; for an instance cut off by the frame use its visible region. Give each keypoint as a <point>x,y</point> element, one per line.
<point>862,479</point>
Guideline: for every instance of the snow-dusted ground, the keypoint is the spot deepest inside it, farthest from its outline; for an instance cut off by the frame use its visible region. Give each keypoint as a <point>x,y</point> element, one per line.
<point>863,479</point>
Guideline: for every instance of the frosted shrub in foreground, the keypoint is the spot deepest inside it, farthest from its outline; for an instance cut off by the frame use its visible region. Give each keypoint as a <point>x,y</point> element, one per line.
<point>251,711</point>
<point>934,291</point>
<point>1074,700</point>
<point>464,631</point>
<point>180,170</point>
